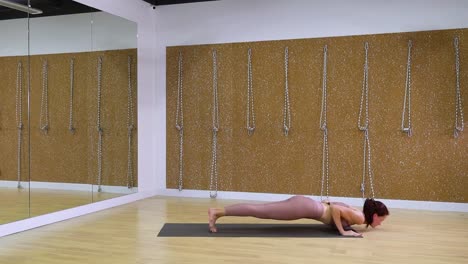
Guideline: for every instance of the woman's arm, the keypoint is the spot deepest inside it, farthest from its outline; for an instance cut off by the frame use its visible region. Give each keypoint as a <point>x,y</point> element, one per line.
<point>339,212</point>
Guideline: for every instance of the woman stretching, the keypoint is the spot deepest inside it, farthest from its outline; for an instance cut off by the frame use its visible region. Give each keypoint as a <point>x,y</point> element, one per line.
<point>338,215</point>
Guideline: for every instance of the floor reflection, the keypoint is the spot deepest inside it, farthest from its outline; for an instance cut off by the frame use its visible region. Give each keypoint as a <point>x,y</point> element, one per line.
<point>14,203</point>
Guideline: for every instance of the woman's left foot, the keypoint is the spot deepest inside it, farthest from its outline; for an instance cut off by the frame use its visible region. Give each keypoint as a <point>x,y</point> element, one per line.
<point>212,220</point>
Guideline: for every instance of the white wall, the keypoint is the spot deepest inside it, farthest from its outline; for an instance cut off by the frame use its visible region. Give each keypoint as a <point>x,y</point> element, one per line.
<point>16,44</point>
<point>81,32</point>
<point>255,20</point>
<point>68,33</point>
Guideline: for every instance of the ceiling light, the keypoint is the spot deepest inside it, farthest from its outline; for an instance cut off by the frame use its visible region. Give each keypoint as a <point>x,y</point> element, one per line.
<point>20,7</point>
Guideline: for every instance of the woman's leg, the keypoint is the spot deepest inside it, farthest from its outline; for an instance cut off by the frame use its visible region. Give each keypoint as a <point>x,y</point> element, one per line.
<point>293,208</point>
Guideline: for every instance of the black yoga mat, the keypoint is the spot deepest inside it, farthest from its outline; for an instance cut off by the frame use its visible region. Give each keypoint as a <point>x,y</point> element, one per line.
<point>248,230</point>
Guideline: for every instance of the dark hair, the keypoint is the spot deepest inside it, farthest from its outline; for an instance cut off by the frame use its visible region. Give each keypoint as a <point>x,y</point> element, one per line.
<point>372,207</point>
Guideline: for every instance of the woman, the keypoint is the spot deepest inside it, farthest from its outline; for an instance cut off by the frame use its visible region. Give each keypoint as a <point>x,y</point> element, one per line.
<point>338,215</point>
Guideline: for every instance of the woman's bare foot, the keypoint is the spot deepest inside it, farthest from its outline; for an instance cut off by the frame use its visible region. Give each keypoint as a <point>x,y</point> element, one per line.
<point>212,217</point>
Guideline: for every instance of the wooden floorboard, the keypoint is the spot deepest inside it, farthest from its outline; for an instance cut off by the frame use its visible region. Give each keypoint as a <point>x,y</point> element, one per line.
<point>17,204</point>
<point>128,234</point>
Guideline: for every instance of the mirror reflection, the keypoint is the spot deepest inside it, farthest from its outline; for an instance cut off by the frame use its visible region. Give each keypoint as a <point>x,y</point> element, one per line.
<point>14,66</point>
<point>82,129</point>
<point>113,114</point>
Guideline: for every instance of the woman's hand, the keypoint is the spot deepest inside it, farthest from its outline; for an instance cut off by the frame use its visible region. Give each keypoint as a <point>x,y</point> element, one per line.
<point>351,233</point>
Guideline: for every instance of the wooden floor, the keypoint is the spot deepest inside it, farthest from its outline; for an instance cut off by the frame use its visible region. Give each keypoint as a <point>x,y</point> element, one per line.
<point>128,234</point>
<point>17,204</point>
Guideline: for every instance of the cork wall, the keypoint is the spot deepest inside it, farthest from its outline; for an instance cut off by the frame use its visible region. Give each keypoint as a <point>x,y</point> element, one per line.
<point>430,165</point>
<point>59,155</point>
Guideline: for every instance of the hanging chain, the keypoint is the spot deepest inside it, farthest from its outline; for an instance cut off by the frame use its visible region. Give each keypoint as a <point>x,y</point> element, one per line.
<point>99,128</point>
<point>71,128</point>
<point>407,99</point>
<point>215,115</point>
<point>367,152</point>
<point>130,124</point>
<point>19,117</point>
<point>323,113</point>
<point>365,127</point>
<point>44,118</point>
<point>364,93</point>
<point>180,119</point>
<point>323,125</point>
<point>19,96</point>
<point>325,167</point>
<point>459,124</point>
<point>250,96</point>
<point>286,109</point>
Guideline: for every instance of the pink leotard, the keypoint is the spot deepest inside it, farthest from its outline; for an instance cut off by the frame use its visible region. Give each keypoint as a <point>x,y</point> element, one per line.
<point>293,208</point>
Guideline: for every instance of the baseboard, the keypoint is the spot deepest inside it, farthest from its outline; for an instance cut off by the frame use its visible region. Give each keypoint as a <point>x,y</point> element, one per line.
<point>68,186</point>
<point>358,202</point>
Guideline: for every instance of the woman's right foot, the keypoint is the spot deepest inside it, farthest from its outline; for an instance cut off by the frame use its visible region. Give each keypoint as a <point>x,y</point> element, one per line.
<point>212,217</point>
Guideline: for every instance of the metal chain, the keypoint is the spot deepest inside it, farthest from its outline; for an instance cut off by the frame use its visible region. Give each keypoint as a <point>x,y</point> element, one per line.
<point>325,166</point>
<point>459,124</point>
<point>323,126</point>
<point>407,99</point>
<point>367,148</point>
<point>364,93</point>
<point>323,113</point>
<point>130,124</point>
<point>180,119</point>
<point>367,151</point>
<point>286,109</point>
<point>44,118</point>
<point>71,128</point>
<point>250,96</point>
<point>215,115</point>
<point>19,96</point>
<point>19,117</point>
<point>99,128</point>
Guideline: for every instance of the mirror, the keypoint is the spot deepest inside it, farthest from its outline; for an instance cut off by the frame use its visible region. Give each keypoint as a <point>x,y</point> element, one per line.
<point>60,82</point>
<point>14,154</point>
<point>82,97</point>
<point>82,110</point>
<point>113,106</point>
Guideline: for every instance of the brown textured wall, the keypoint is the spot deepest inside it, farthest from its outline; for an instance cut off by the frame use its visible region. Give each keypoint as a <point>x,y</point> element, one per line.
<point>59,156</point>
<point>430,165</point>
